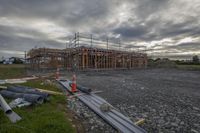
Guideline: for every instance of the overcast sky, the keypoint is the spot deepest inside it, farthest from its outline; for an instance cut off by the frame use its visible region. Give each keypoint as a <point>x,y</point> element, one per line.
<point>169,28</point>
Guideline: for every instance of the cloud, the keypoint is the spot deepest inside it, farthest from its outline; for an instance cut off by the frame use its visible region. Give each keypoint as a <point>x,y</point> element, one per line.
<point>184,47</point>
<point>159,25</point>
<point>13,39</point>
<point>131,32</point>
<point>145,8</point>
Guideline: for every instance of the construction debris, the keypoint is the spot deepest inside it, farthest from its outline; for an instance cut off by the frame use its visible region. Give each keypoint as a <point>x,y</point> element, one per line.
<point>84,89</point>
<point>19,102</point>
<point>19,80</point>
<point>28,94</point>
<point>40,90</point>
<point>140,122</point>
<point>8,111</point>
<point>27,90</point>
<point>3,87</point>
<point>15,81</point>
<point>48,82</point>
<point>111,115</point>
<point>33,98</point>
<point>50,92</point>
<point>105,107</point>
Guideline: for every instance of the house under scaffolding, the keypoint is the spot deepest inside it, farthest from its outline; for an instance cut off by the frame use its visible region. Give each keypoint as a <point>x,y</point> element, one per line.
<point>85,52</point>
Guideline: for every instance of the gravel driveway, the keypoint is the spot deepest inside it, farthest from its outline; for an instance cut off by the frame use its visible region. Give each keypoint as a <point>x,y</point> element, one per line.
<point>168,99</point>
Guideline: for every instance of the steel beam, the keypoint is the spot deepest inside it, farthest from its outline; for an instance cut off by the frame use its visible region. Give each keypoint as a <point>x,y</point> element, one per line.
<point>112,117</point>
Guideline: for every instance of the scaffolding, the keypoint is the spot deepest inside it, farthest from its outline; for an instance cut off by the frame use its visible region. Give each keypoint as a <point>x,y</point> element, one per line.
<point>46,58</point>
<point>87,52</point>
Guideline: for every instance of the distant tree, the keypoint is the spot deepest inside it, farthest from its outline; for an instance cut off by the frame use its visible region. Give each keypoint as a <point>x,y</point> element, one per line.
<point>166,59</point>
<point>158,59</point>
<point>150,60</point>
<point>1,60</point>
<point>195,59</point>
<point>17,61</point>
<point>177,61</point>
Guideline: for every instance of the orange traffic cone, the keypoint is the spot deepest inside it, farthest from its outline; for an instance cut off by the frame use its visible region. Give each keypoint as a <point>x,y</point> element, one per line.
<point>73,88</point>
<point>57,74</point>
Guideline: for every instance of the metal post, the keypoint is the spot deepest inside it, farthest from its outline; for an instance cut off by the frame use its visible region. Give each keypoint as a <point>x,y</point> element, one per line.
<point>91,40</point>
<point>107,42</point>
<point>67,46</point>
<point>25,61</point>
<point>78,38</point>
<point>75,39</point>
<point>119,44</point>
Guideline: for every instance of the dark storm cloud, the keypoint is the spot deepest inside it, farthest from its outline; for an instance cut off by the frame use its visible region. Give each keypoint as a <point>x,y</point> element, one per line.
<point>142,10</point>
<point>145,8</point>
<point>17,39</point>
<point>14,31</point>
<point>64,12</point>
<point>184,47</point>
<point>133,46</point>
<point>131,32</point>
<point>180,51</point>
<point>183,29</point>
<point>24,43</point>
<point>157,29</point>
<point>28,23</point>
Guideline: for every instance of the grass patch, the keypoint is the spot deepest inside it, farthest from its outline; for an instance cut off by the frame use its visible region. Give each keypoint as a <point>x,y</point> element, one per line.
<point>46,118</point>
<point>49,117</point>
<point>189,67</point>
<point>41,85</point>
<point>11,71</point>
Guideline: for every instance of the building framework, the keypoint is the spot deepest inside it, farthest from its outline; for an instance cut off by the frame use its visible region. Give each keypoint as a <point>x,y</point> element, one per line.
<point>86,52</point>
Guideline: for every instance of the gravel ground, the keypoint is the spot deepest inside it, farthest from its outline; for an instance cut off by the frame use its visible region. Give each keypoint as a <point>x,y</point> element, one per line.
<point>168,99</point>
<point>91,122</point>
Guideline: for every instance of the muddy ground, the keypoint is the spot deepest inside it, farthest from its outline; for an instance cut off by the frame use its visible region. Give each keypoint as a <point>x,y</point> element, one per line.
<point>168,99</point>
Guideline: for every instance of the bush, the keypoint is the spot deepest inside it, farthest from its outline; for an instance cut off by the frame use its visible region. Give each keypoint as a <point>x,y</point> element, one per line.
<point>195,59</point>
<point>17,61</point>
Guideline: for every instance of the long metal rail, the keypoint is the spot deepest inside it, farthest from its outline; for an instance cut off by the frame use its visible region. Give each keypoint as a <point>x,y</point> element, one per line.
<point>112,117</point>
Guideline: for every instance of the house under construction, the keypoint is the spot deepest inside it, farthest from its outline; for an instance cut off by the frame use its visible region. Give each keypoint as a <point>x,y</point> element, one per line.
<point>86,52</point>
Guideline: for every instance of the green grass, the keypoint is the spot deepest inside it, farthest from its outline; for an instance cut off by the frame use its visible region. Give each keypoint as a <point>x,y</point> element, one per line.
<point>41,85</point>
<point>189,67</point>
<point>11,71</point>
<point>49,117</point>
